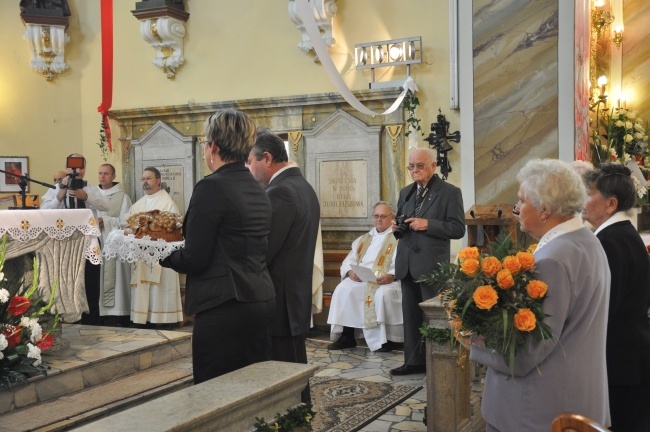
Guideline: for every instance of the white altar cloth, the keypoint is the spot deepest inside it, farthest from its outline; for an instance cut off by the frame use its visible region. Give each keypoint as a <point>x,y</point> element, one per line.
<point>127,248</point>
<point>25,225</point>
<point>62,240</point>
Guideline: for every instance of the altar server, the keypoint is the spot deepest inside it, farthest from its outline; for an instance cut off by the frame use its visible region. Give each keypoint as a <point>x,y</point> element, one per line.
<point>114,287</point>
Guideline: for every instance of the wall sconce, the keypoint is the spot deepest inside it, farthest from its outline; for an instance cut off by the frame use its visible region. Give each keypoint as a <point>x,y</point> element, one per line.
<point>163,27</point>
<point>600,18</point>
<point>394,52</point>
<point>602,97</point>
<point>439,140</point>
<point>45,31</point>
<point>617,38</point>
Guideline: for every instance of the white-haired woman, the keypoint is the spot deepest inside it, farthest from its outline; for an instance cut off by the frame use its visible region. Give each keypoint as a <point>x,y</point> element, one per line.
<point>567,373</point>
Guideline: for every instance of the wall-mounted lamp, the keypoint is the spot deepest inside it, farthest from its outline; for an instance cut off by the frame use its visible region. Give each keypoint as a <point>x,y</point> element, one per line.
<point>617,37</point>
<point>439,140</point>
<point>600,18</point>
<point>602,97</point>
<point>394,52</point>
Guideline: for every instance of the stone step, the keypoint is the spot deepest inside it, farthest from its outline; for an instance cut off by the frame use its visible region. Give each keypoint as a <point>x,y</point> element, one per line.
<point>101,400</point>
<point>97,355</point>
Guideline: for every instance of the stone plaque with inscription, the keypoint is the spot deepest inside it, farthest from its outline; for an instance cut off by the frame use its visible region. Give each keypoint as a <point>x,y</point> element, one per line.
<point>342,164</point>
<point>344,189</point>
<point>172,181</point>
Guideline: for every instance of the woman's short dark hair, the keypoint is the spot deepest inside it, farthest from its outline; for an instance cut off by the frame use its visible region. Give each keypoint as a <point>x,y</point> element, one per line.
<point>234,132</point>
<point>613,180</point>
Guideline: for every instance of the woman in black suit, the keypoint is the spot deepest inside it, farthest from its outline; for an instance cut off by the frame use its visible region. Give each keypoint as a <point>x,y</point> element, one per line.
<point>610,193</point>
<point>228,287</point>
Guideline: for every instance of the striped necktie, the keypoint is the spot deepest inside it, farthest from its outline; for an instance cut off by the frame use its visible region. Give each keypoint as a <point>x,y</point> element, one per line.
<point>418,201</point>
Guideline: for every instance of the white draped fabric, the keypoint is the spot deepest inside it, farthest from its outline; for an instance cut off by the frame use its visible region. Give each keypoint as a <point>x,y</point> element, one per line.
<point>347,307</point>
<point>62,241</point>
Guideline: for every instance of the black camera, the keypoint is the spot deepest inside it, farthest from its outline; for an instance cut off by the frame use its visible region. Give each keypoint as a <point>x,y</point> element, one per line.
<point>401,226</point>
<point>75,162</point>
<point>75,183</point>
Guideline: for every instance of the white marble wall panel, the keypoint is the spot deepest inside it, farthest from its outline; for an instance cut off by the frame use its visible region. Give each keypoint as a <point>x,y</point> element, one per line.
<point>515,91</point>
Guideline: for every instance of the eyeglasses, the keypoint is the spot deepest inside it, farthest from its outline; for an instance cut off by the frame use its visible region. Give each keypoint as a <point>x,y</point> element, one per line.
<point>419,166</point>
<point>382,217</point>
<point>514,210</point>
<point>203,142</point>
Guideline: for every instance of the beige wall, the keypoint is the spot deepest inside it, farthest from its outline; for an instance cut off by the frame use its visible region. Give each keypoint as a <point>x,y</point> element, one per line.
<point>233,50</point>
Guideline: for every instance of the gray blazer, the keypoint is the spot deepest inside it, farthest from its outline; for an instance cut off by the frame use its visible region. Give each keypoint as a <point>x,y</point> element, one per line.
<point>568,374</point>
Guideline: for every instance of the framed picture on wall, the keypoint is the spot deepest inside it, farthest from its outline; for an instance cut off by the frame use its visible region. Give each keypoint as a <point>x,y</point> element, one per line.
<point>16,165</point>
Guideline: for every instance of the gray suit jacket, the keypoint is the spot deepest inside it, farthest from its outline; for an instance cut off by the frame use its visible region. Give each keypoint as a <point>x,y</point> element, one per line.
<point>419,252</point>
<point>292,244</point>
<point>568,374</point>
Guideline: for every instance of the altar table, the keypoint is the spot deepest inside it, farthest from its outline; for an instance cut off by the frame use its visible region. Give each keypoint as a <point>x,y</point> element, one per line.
<point>61,241</point>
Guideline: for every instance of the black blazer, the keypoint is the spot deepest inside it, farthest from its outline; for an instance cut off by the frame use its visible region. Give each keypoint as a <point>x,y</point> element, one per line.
<point>628,328</point>
<point>226,240</point>
<point>292,244</point>
<point>419,252</point>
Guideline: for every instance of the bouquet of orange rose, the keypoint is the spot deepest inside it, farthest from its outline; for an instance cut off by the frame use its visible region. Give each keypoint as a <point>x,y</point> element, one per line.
<point>496,296</point>
<point>22,337</point>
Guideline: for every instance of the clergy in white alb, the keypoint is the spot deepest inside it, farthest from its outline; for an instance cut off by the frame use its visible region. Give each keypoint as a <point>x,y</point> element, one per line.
<point>155,291</point>
<point>115,282</point>
<point>374,309</point>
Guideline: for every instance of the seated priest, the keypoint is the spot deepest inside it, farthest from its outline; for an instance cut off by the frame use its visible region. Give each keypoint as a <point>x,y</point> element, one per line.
<point>372,307</point>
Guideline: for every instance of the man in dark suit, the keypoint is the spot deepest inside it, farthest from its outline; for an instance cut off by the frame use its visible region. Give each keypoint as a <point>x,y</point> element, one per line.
<point>434,215</point>
<point>292,244</point>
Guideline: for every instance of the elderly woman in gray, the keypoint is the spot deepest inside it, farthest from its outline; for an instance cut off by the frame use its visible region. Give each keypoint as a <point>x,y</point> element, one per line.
<point>569,372</point>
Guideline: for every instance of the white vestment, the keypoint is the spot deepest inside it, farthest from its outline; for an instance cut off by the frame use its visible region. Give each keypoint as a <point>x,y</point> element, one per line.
<point>347,307</point>
<point>115,279</point>
<point>155,291</point>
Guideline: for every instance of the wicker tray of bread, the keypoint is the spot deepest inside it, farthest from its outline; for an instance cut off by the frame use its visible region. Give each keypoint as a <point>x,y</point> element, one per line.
<point>150,237</point>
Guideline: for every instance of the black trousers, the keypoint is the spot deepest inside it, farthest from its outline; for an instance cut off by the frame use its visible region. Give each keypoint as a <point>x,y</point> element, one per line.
<point>231,336</point>
<point>92,275</point>
<point>414,293</point>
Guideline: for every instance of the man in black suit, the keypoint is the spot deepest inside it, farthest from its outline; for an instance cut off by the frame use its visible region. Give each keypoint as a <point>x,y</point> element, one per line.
<point>292,244</point>
<point>434,215</point>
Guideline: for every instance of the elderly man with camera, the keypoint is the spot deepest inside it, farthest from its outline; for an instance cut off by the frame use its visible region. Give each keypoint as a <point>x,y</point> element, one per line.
<point>430,213</point>
<point>72,193</point>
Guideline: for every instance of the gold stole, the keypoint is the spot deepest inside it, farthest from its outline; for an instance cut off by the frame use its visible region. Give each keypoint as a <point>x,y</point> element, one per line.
<point>379,268</point>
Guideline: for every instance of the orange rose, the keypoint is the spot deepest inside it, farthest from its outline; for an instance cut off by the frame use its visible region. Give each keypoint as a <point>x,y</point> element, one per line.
<point>526,259</point>
<point>536,289</point>
<point>532,248</point>
<point>490,266</point>
<point>485,297</point>
<point>470,267</point>
<point>525,320</point>
<point>512,264</point>
<point>468,252</point>
<point>505,280</point>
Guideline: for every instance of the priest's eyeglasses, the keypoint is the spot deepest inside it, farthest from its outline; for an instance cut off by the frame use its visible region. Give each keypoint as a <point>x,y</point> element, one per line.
<point>382,217</point>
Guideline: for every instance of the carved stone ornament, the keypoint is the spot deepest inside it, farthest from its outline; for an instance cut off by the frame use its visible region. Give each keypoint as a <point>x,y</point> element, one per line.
<point>164,29</point>
<point>47,37</point>
<point>324,11</point>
